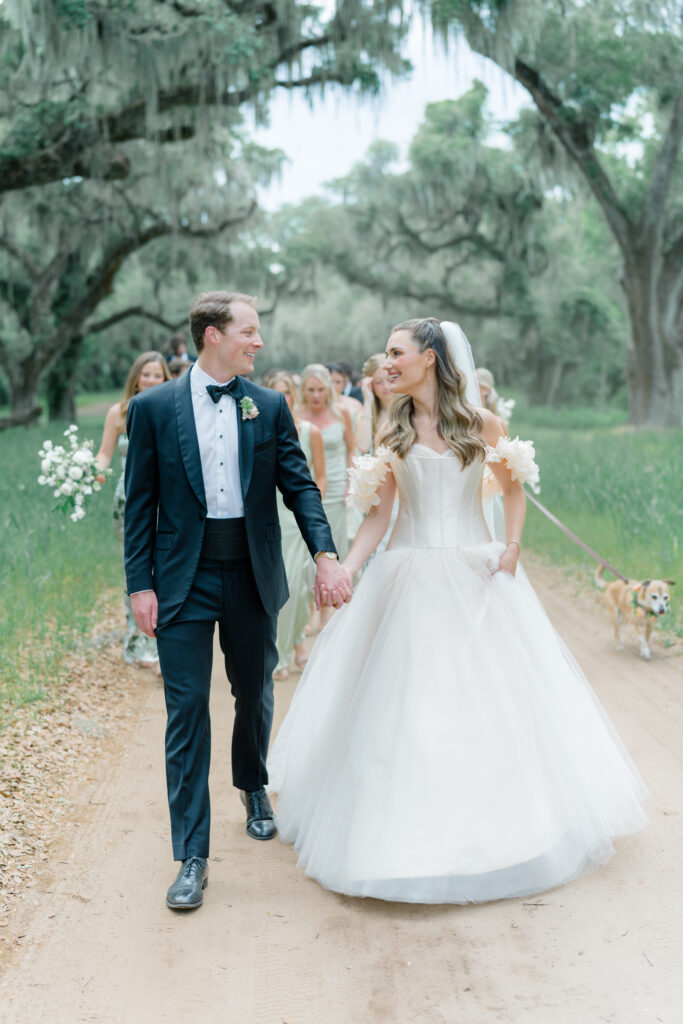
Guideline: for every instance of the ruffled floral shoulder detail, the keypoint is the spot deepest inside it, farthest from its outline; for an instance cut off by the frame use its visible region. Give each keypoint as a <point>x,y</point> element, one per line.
<point>365,477</point>
<point>519,457</point>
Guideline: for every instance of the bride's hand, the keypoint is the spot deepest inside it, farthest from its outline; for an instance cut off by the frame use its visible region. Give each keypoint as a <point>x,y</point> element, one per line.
<point>508,560</point>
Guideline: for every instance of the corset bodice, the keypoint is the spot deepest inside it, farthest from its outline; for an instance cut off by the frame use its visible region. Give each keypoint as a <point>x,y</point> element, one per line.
<point>439,501</point>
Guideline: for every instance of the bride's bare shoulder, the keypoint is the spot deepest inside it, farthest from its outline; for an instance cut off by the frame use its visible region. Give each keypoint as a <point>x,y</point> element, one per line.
<point>492,426</point>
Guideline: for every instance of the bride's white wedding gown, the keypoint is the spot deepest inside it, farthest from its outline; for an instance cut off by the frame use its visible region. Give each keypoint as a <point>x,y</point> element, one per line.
<point>443,745</point>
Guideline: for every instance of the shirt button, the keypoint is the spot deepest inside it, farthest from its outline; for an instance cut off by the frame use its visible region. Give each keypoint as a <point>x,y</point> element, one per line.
<point>221,488</point>
<point>220,435</point>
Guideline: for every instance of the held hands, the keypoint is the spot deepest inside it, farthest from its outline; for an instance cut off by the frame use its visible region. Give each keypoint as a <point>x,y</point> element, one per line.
<point>333,586</point>
<point>145,609</point>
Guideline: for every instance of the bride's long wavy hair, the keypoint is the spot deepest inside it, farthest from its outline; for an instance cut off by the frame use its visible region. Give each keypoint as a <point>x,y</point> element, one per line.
<point>458,420</point>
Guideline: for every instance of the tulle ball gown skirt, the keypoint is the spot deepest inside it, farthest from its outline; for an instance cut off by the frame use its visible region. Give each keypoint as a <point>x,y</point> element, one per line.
<point>443,746</point>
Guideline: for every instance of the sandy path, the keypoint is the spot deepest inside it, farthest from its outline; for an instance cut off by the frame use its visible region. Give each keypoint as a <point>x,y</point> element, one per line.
<point>269,946</point>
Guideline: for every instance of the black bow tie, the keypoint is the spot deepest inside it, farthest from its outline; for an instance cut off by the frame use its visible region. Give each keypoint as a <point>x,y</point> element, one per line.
<point>216,391</point>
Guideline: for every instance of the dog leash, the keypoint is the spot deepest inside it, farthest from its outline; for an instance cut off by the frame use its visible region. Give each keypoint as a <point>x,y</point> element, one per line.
<point>572,536</point>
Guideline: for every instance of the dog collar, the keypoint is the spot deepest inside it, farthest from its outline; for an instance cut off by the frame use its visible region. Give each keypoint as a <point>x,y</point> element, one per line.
<point>637,606</point>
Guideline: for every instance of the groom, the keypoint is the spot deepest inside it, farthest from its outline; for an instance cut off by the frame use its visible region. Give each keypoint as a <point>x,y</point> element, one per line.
<point>202,545</point>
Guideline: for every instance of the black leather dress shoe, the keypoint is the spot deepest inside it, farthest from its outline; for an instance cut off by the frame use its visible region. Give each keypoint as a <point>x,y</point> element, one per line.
<point>186,891</point>
<point>260,824</point>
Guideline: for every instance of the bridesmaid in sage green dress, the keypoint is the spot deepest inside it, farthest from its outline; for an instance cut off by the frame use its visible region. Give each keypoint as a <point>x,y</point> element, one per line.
<point>147,371</point>
<point>339,379</point>
<point>300,569</point>
<point>319,406</point>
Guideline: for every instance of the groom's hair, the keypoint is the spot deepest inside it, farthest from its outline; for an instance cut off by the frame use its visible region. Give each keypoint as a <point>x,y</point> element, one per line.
<point>212,309</point>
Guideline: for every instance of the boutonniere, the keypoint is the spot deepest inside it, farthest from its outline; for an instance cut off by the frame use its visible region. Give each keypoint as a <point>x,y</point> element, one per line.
<point>249,408</point>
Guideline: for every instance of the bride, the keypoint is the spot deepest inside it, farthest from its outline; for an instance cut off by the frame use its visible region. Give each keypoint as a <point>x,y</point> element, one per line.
<point>442,745</point>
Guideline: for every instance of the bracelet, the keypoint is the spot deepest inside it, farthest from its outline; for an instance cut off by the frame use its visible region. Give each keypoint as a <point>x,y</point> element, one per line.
<point>509,542</point>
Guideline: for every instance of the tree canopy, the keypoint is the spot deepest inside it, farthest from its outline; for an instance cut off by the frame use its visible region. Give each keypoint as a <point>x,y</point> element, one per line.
<point>590,69</point>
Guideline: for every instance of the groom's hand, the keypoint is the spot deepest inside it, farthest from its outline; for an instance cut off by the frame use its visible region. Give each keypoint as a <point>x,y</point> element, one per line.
<point>333,586</point>
<point>145,608</point>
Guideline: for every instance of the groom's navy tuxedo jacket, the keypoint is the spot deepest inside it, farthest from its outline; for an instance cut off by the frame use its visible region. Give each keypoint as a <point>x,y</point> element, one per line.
<point>166,504</point>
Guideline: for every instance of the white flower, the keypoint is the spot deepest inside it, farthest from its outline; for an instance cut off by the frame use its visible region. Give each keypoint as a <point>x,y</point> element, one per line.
<point>504,407</point>
<point>69,471</point>
<point>365,477</point>
<point>519,458</point>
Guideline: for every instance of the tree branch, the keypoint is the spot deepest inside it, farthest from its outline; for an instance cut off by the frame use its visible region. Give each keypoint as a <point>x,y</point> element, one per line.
<point>576,137</point>
<point>78,151</point>
<point>123,314</point>
<point>20,255</point>
<point>663,171</point>
<point>101,281</point>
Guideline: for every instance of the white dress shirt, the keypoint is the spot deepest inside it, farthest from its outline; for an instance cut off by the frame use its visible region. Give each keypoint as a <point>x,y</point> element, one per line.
<point>217,433</point>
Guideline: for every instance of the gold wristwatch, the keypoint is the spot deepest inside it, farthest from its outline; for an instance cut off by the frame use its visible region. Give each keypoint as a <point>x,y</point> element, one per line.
<point>325,554</point>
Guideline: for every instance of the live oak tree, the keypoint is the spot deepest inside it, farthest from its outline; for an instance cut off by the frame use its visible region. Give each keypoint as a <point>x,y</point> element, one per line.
<point>594,73</point>
<point>63,246</point>
<point>81,78</point>
<point>454,232</point>
<point>97,99</point>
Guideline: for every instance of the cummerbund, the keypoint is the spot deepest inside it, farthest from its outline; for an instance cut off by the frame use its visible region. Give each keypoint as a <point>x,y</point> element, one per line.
<point>225,540</point>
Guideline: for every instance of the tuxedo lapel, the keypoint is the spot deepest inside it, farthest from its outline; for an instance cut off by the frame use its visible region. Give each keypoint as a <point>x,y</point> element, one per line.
<point>187,437</point>
<point>245,430</point>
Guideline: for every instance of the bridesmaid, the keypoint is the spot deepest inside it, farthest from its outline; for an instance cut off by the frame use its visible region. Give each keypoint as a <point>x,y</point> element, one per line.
<point>338,378</point>
<point>293,618</point>
<point>376,396</point>
<point>147,371</point>
<point>319,406</point>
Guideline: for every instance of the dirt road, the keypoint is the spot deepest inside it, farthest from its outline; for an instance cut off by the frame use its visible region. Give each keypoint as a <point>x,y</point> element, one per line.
<point>270,946</point>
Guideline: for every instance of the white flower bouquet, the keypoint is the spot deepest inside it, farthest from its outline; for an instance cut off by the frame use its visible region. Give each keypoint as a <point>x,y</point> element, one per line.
<point>70,470</point>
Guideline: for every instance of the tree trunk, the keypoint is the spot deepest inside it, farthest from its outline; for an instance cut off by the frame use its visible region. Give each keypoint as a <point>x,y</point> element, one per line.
<point>655,368</point>
<point>24,382</point>
<point>20,419</point>
<point>60,386</point>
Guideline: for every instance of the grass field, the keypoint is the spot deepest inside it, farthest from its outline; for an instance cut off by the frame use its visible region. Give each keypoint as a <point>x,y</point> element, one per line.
<point>54,574</point>
<point>620,490</point>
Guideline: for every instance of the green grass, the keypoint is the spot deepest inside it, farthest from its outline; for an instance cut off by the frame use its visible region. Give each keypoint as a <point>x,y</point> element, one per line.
<point>620,490</point>
<point>54,574</point>
<point>91,397</point>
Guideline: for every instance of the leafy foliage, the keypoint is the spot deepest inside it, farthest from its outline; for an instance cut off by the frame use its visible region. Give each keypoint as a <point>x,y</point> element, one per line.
<point>587,68</point>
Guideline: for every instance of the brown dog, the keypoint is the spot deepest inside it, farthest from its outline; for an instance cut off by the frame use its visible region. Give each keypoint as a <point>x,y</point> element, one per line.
<point>638,603</point>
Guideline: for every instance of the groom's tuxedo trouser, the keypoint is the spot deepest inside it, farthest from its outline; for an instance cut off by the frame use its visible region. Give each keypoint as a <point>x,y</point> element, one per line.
<point>223,592</point>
